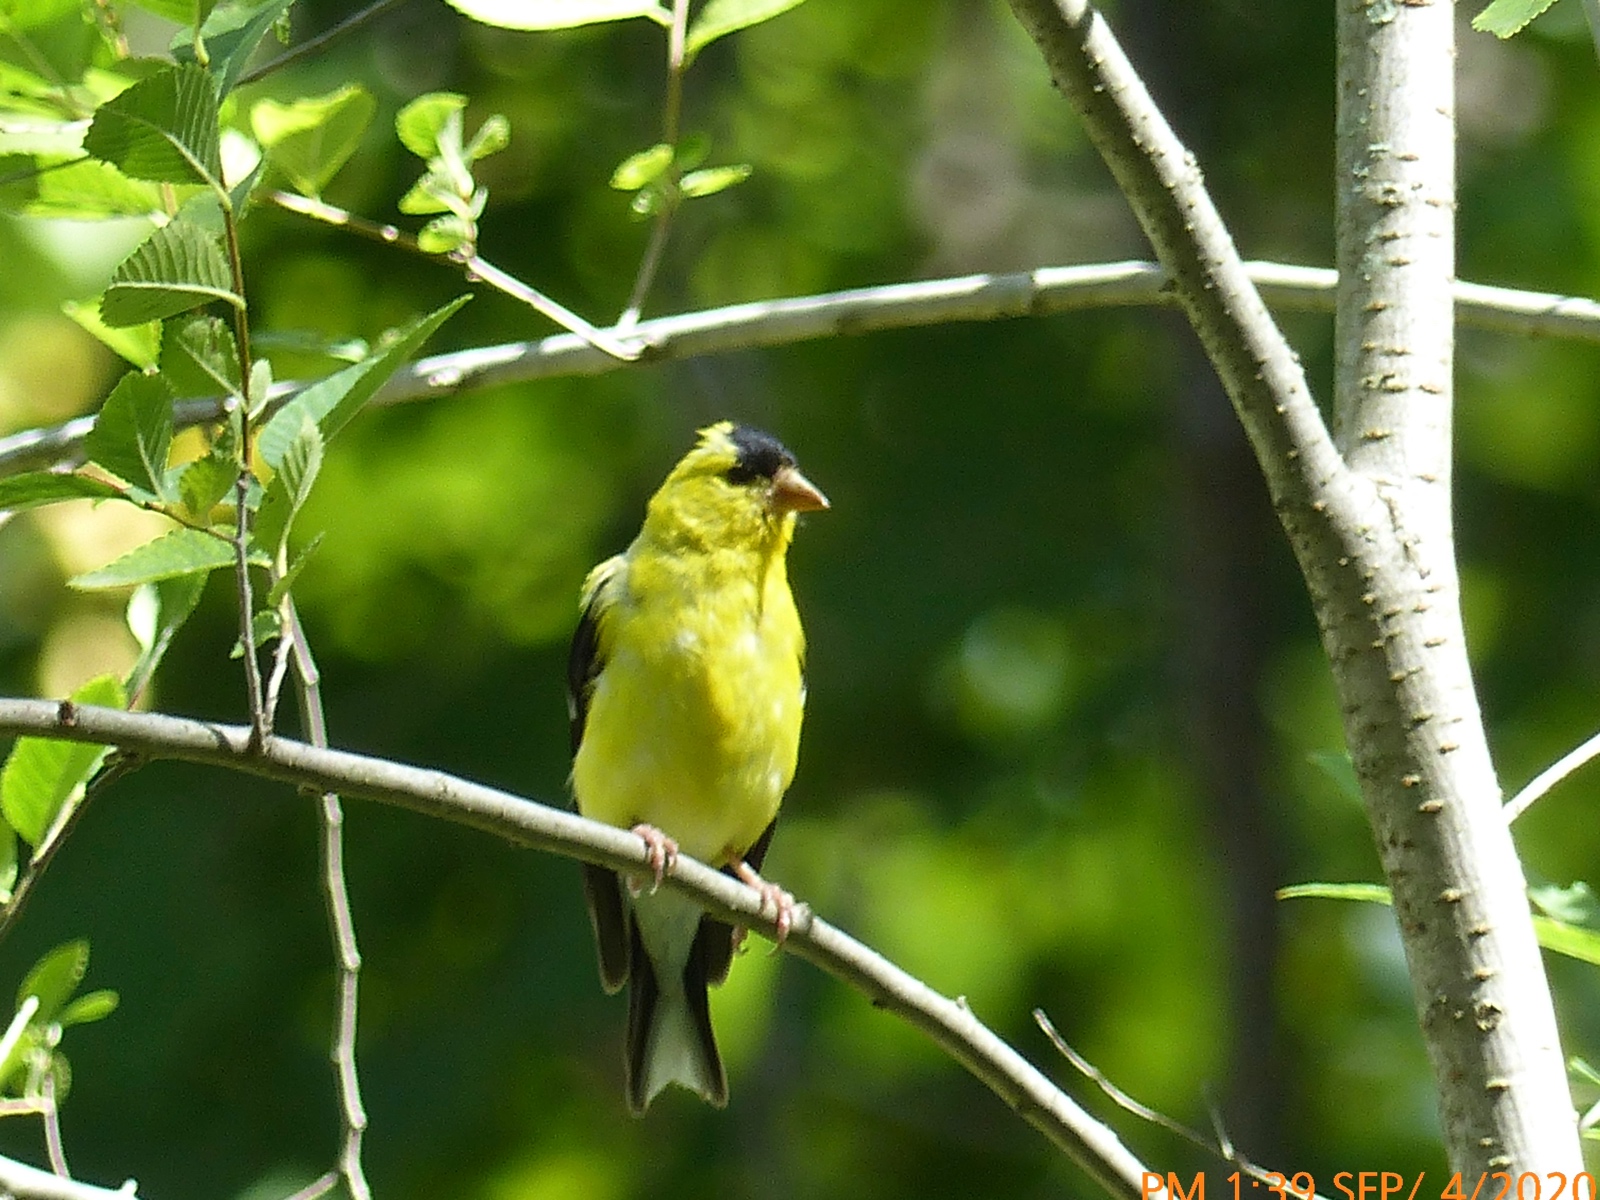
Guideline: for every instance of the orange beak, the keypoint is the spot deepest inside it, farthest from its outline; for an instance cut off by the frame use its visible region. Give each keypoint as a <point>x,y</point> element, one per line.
<point>793,492</point>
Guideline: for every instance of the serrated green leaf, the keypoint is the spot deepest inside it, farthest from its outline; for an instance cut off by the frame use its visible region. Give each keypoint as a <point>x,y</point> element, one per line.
<point>420,123</point>
<point>281,588</point>
<point>331,402</point>
<point>47,487</point>
<point>175,600</point>
<point>132,433</point>
<point>139,344</point>
<point>301,461</point>
<point>163,128</point>
<point>642,168</point>
<point>310,139</point>
<point>54,978</point>
<point>31,14</point>
<point>1505,18</point>
<point>718,18</point>
<point>199,357</point>
<point>265,626</point>
<point>180,552</point>
<point>89,1007</point>
<point>43,775</point>
<point>430,194</point>
<point>204,482</point>
<point>557,14</point>
<point>179,267</point>
<point>714,179</point>
<point>231,34</point>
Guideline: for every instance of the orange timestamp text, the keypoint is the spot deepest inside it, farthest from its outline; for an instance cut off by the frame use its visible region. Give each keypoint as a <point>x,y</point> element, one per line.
<point>1378,1185</point>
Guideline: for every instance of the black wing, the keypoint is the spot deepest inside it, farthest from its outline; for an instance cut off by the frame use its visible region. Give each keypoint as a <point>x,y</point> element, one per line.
<point>601,888</point>
<point>714,943</point>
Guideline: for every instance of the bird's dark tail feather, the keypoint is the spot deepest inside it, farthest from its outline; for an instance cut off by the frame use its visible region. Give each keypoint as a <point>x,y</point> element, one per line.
<point>670,1039</point>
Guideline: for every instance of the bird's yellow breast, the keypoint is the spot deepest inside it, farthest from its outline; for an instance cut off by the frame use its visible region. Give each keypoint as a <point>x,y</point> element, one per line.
<point>694,722</point>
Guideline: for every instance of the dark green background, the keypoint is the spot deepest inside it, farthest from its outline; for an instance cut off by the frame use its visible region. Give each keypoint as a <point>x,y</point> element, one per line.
<point>1064,681</point>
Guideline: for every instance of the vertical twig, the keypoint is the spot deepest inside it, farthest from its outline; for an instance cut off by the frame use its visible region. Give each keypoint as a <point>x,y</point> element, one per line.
<point>673,107</point>
<point>51,1115</point>
<point>341,924</point>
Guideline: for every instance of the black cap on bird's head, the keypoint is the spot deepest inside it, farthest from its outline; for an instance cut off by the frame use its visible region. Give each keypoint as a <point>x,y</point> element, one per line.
<point>760,459</point>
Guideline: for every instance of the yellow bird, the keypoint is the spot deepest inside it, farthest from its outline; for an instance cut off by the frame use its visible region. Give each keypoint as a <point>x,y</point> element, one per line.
<point>685,691</point>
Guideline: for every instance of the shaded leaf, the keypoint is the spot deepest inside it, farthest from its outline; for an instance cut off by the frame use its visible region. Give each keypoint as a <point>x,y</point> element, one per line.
<point>180,552</point>
<point>163,128</point>
<point>42,775</point>
<point>714,179</point>
<point>331,402</point>
<point>645,167</point>
<point>179,267</point>
<point>310,139</point>
<point>164,607</point>
<point>231,34</point>
<point>139,344</point>
<point>132,433</point>
<point>557,14</point>
<point>90,1007</point>
<point>200,358</point>
<point>718,18</point>
<point>46,487</point>
<point>204,482</point>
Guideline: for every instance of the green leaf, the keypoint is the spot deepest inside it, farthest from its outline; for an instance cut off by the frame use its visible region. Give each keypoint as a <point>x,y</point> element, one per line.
<point>310,139</point>
<point>139,344</point>
<point>179,267</point>
<point>493,136</point>
<point>200,358</point>
<point>645,167</point>
<point>721,17</point>
<point>420,123</point>
<point>46,487</point>
<point>204,482</point>
<point>1504,18</point>
<point>179,12</point>
<point>265,626</point>
<point>8,863</point>
<point>281,588</point>
<point>54,978</point>
<point>180,552</point>
<point>163,128</point>
<point>331,402</point>
<point>89,1007</point>
<point>557,14</point>
<point>159,610</point>
<point>31,14</point>
<point>302,460</point>
<point>132,433</point>
<point>714,179</point>
<point>86,190</point>
<point>1372,893</point>
<point>446,235</point>
<point>231,34</point>
<point>42,775</point>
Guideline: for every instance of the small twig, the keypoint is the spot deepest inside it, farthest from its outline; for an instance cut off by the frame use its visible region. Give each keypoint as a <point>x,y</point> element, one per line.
<point>1549,777</point>
<point>1223,1147</point>
<point>474,266</point>
<point>670,198</point>
<point>312,45</point>
<point>52,1127</point>
<point>259,727</point>
<point>14,1031</point>
<point>317,1188</point>
<point>280,668</point>
<point>29,1183</point>
<point>115,769</point>
<point>341,923</point>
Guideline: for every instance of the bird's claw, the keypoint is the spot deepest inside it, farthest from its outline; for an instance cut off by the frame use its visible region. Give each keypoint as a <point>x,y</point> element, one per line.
<point>660,853</point>
<point>784,906</point>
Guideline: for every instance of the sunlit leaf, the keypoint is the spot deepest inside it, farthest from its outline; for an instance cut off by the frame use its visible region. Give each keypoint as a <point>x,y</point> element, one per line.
<point>163,128</point>
<point>445,235</point>
<point>1504,18</point>
<point>132,433</point>
<point>713,179</point>
<point>89,1007</point>
<point>645,167</point>
<point>18,492</point>
<point>169,603</point>
<point>139,344</point>
<point>179,267</point>
<point>493,136</point>
<point>31,14</point>
<point>420,123</point>
<point>180,552</point>
<point>331,402</point>
<point>310,139</point>
<point>557,14</point>
<point>718,18</point>
<point>231,34</point>
<point>54,978</point>
<point>42,775</point>
<point>204,482</point>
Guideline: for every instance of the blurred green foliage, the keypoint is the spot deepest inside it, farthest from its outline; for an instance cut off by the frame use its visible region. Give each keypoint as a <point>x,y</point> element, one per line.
<point>1016,639</point>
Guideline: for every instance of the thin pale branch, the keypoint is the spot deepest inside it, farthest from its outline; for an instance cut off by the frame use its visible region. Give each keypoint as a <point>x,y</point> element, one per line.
<point>949,1023</point>
<point>30,1183</point>
<point>316,44</point>
<point>1549,777</point>
<point>767,323</point>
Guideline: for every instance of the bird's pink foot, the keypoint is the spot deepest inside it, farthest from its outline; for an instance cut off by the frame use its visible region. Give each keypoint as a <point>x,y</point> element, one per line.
<point>784,906</point>
<point>660,853</point>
